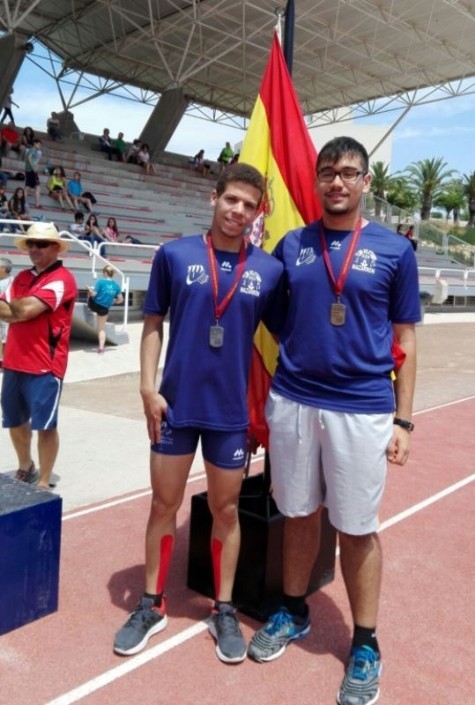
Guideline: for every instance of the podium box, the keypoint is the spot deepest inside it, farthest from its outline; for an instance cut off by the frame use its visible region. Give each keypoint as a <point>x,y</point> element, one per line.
<point>258,582</point>
<point>30,542</point>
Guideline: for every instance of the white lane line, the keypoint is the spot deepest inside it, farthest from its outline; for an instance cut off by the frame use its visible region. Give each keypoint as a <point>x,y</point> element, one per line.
<point>127,666</point>
<point>135,662</point>
<point>426,503</point>
<point>122,500</point>
<point>443,406</point>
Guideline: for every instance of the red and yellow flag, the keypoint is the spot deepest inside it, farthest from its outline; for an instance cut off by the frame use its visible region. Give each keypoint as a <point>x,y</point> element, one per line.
<point>278,144</point>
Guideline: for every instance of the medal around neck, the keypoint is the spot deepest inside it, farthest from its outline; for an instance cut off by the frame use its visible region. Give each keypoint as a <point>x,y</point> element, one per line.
<point>338,314</point>
<point>216,336</point>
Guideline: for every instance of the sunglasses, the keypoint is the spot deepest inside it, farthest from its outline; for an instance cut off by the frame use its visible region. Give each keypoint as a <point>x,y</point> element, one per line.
<point>41,244</point>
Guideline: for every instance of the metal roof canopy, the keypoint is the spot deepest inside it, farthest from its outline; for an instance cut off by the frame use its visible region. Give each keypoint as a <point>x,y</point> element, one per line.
<point>346,52</point>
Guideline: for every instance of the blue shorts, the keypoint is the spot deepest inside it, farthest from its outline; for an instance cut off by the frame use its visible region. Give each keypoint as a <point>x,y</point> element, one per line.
<point>34,398</point>
<point>225,449</point>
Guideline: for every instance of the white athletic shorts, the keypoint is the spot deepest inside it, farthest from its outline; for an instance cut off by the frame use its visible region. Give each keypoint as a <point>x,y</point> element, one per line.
<point>331,458</point>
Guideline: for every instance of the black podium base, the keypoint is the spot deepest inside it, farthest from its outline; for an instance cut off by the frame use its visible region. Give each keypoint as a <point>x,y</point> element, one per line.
<point>258,583</point>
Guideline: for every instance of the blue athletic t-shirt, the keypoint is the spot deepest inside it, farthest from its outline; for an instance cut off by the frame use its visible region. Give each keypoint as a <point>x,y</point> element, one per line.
<point>106,291</point>
<point>344,368</point>
<point>206,387</point>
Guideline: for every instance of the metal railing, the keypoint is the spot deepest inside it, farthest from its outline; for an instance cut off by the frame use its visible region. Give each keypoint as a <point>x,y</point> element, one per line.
<point>94,253</point>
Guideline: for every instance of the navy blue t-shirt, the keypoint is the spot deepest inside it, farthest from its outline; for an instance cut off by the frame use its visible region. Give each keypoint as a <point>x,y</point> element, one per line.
<point>344,368</point>
<point>204,386</point>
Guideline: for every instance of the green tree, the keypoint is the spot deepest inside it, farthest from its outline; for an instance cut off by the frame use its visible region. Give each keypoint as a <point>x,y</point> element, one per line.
<point>380,184</point>
<point>427,178</point>
<point>469,191</point>
<point>452,198</point>
<point>400,195</point>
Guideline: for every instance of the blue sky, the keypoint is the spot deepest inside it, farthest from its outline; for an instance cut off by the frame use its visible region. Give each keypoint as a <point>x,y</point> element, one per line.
<point>444,129</point>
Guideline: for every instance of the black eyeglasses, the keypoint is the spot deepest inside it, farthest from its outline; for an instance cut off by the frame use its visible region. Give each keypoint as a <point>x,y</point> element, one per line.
<point>348,175</point>
<point>41,244</point>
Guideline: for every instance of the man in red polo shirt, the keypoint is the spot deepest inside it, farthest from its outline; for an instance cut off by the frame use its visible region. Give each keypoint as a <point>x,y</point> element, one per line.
<point>39,306</point>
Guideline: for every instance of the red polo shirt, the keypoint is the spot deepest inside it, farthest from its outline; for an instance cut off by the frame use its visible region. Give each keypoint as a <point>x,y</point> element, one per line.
<point>41,345</point>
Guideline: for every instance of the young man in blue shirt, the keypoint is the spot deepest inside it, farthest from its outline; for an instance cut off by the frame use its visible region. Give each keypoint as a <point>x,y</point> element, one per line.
<point>216,288</point>
<point>352,286</point>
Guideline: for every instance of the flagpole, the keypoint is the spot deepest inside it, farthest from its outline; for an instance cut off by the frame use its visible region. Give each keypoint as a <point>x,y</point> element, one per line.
<point>289,27</point>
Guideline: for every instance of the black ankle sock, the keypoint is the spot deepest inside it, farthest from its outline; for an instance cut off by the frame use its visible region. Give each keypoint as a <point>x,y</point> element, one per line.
<point>218,603</point>
<point>157,599</point>
<point>296,605</point>
<point>365,636</point>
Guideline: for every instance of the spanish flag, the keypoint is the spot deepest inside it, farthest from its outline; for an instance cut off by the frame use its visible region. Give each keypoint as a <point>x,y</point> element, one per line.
<point>278,144</point>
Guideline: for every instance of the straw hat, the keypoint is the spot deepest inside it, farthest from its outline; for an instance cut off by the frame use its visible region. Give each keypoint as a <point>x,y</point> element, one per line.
<point>44,232</point>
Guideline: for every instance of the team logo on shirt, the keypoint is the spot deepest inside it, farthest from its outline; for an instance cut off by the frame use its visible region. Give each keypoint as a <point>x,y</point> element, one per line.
<point>227,266</point>
<point>196,274</point>
<point>251,283</point>
<point>335,245</point>
<point>306,256</point>
<point>365,261</point>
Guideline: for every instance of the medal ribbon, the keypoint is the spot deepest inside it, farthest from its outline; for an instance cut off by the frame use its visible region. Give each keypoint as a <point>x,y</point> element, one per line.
<point>340,283</point>
<point>220,308</point>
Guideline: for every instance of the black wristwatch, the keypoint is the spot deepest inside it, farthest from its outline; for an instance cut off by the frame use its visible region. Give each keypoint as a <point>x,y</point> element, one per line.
<point>403,423</point>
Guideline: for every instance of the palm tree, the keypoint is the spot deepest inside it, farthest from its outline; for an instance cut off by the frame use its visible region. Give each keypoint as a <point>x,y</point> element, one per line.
<point>427,178</point>
<point>400,195</point>
<point>469,190</point>
<point>452,198</point>
<point>380,184</point>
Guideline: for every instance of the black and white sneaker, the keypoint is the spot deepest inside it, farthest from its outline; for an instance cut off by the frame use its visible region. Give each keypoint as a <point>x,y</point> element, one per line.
<point>145,621</point>
<point>224,628</point>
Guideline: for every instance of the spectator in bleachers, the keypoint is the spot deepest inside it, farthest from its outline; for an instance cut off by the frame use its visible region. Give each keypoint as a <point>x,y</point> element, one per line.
<point>78,228</point>
<point>106,145</point>
<point>32,176</point>
<point>58,188</point>
<point>77,195</point>
<point>18,209</point>
<point>53,127</point>
<point>94,232</point>
<point>26,142</point>
<point>410,236</point>
<point>3,205</point>
<point>143,159</point>
<point>200,165</point>
<point>101,297</point>
<point>111,232</point>
<point>5,279</point>
<point>225,155</point>
<point>120,147</point>
<point>133,151</point>
<point>10,140</point>
<point>7,108</point>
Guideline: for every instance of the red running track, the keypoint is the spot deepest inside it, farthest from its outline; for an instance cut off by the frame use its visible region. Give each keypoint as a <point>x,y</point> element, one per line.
<point>426,618</point>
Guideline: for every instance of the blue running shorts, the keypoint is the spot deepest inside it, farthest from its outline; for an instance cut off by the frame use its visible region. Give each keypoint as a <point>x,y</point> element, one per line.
<point>34,398</point>
<point>225,449</point>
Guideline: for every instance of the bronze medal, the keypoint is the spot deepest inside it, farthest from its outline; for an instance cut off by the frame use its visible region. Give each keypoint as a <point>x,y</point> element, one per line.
<point>338,314</point>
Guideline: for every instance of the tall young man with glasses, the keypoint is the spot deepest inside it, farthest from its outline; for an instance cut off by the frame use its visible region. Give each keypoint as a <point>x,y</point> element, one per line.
<point>335,414</point>
<point>38,305</point>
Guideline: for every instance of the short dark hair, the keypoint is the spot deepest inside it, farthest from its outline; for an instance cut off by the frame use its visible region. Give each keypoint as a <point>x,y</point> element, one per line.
<point>240,172</point>
<point>334,150</point>
<point>78,216</point>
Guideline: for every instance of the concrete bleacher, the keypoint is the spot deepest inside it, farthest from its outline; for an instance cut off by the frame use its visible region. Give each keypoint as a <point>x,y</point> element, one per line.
<point>173,203</point>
